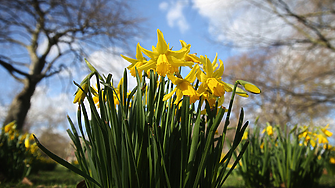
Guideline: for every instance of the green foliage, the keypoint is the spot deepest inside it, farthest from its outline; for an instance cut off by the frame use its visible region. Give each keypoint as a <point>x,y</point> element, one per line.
<point>288,158</point>
<point>43,163</point>
<point>158,134</point>
<point>16,154</point>
<point>147,142</point>
<point>255,163</point>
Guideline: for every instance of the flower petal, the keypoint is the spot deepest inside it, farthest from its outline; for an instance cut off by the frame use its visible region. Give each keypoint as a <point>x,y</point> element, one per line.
<point>139,55</point>
<point>169,95</point>
<point>151,54</point>
<point>161,46</point>
<point>151,64</point>
<point>250,87</point>
<point>131,60</point>
<point>192,74</point>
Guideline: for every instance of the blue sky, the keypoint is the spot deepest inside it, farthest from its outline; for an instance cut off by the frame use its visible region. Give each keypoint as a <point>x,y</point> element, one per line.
<point>180,20</point>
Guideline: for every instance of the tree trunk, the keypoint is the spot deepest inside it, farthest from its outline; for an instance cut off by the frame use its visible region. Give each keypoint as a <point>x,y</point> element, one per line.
<point>20,105</point>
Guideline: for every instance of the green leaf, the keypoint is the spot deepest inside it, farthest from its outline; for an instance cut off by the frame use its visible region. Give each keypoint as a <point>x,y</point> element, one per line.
<point>64,163</point>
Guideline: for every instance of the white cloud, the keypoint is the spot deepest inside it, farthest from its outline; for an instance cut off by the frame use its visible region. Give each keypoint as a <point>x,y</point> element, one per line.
<point>164,5</point>
<point>175,15</point>
<point>236,21</point>
<point>49,111</point>
<point>110,62</point>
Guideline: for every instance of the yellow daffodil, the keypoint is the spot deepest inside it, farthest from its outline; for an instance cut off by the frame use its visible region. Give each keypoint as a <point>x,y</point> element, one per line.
<point>308,137</point>
<point>327,146</point>
<point>95,97</point>
<point>187,56</point>
<point>211,85</point>
<point>27,143</point>
<point>245,135</point>
<point>332,160</point>
<point>139,61</point>
<point>269,130</point>
<point>239,91</point>
<point>23,137</point>
<point>262,145</point>
<point>9,127</point>
<point>326,132</point>
<point>183,86</point>
<point>312,142</point>
<point>80,95</point>
<point>116,94</point>
<point>322,139</point>
<point>250,87</point>
<point>163,59</point>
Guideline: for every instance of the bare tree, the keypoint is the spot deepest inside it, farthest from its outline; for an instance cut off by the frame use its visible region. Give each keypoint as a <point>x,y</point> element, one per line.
<point>296,87</point>
<point>258,23</point>
<point>40,38</point>
<point>290,56</point>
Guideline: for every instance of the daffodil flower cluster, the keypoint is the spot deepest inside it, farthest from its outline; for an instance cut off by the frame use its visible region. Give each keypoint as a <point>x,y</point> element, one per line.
<point>279,156</point>
<point>167,62</point>
<point>81,93</point>
<point>10,131</point>
<point>269,130</point>
<point>316,135</point>
<point>18,152</point>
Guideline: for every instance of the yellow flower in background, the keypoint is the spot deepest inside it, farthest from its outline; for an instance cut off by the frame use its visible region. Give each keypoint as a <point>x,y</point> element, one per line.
<point>9,127</point>
<point>27,143</point>
<point>262,145</point>
<point>327,146</point>
<point>322,139</point>
<point>316,135</point>
<point>309,137</point>
<point>95,97</point>
<point>332,160</point>
<point>23,137</point>
<point>245,135</point>
<point>80,94</point>
<point>312,142</point>
<point>269,130</point>
<point>139,61</point>
<point>117,94</point>
<point>326,132</point>
<point>33,148</point>
<point>164,60</point>
<point>183,86</point>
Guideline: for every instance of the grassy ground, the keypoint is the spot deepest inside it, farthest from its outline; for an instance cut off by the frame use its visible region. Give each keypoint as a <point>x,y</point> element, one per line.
<point>63,178</point>
<point>59,178</point>
<point>326,181</point>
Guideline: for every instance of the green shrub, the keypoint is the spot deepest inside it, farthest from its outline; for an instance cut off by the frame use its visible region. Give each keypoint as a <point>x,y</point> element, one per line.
<point>16,154</point>
<point>285,158</point>
<point>43,163</point>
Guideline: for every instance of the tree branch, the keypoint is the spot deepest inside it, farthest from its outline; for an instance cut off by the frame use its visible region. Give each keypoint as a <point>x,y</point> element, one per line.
<point>12,69</point>
<point>322,39</point>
